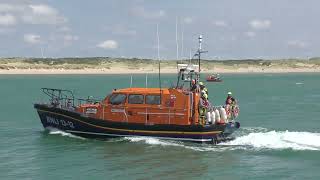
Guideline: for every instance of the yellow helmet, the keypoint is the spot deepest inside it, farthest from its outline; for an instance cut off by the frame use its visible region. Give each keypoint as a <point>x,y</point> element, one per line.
<point>229,93</point>
<point>201,83</point>
<point>205,96</point>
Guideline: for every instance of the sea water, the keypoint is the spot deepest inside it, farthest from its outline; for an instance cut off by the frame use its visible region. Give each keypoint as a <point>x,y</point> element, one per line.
<point>279,136</point>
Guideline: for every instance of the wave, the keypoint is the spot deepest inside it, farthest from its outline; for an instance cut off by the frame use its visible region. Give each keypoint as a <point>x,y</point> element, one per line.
<point>156,141</point>
<point>192,146</point>
<point>55,131</point>
<point>249,138</point>
<point>153,141</point>
<point>278,140</point>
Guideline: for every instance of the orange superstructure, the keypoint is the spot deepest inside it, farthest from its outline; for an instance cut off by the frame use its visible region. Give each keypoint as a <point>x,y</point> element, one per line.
<point>147,105</point>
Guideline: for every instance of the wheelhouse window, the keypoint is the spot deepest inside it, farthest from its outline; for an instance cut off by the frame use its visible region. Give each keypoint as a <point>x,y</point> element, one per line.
<point>135,99</point>
<point>152,99</point>
<point>116,99</point>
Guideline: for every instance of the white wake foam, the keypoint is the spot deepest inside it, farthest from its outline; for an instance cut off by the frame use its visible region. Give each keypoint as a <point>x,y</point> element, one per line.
<point>250,138</point>
<point>254,140</point>
<point>153,141</point>
<point>62,133</point>
<point>192,146</point>
<point>279,140</point>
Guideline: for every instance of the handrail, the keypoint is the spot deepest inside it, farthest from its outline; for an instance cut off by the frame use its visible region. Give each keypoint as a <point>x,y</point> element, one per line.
<point>66,97</point>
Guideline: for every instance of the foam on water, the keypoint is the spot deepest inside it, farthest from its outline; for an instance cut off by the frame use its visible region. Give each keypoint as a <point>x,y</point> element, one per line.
<point>153,141</point>
<point>191,146</point>
<point>250,138</point>
<point>279,140</point>
<point>62,133</point>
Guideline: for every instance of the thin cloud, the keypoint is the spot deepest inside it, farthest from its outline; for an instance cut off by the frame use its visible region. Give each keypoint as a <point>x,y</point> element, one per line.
<point>42,9</point>
<point>4,7</point>
<point>7,20</point>
<point>70,37</point>
<point>122,30</point>
<point>142,12</point>
<point>32,38</point>
<point>6,30</point>
<point>188,20</point>
<point>250,34</point>
<point>220,23</point>
<point>260,24</point>
<point>108,44</point>
<point>297,44</point>
<point>33,13</point>
<point>64,29</point>
<point>43,14</point>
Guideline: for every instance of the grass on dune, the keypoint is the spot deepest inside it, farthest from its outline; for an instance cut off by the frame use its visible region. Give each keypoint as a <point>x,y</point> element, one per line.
<point>135,63</point>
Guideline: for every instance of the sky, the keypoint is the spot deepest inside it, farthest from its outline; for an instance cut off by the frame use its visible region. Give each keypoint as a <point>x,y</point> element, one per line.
<point>231,29</point>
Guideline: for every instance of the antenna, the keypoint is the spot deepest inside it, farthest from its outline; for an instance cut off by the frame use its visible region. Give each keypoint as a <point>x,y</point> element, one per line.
<point>199,52</point>
<point>158,43</point>
<point>190,57</point>
<point>177,44</point>
<point>131,81</point>
<point>146,80</point>
<point>159,60</point>
<point>182,31</point>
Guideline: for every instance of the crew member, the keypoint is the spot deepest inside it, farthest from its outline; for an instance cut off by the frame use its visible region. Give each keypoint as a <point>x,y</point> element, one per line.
<point>230,100</point>
<point>204,107</point>
<point>55,102</point>
<point>203,104</point>
<point>69,104</point>
<point>206,90</point>
<point>203,87</point>
<point>193,85</point>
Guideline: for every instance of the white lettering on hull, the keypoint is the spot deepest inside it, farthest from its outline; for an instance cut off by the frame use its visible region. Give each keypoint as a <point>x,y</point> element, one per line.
<point>61,122</point>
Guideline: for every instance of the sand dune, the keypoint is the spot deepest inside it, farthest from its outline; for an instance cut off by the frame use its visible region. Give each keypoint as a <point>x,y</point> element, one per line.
<point>105,65</point>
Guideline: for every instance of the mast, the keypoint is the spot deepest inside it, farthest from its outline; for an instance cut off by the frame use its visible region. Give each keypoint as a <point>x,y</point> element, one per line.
<point>181,49</point>
<point>199,53</point>
<point>177,43</point>
<point>158,39</point>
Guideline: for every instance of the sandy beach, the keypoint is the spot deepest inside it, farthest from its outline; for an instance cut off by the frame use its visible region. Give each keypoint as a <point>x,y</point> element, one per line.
<point>104,65</point>
<point>144,71</point>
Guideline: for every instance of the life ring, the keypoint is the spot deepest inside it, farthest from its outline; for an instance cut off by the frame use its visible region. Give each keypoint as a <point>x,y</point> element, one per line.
<point>236,111</point>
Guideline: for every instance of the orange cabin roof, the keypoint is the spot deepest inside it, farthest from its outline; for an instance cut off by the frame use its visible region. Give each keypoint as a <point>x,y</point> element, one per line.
<point>143,90</point>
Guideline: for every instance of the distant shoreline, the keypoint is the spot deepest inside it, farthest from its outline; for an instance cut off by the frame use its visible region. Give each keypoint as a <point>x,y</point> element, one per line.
<point>107,65</point>
<point>150,71</point>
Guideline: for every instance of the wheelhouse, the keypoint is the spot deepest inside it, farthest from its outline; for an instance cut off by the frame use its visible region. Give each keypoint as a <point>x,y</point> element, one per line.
<point>145,105</point>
